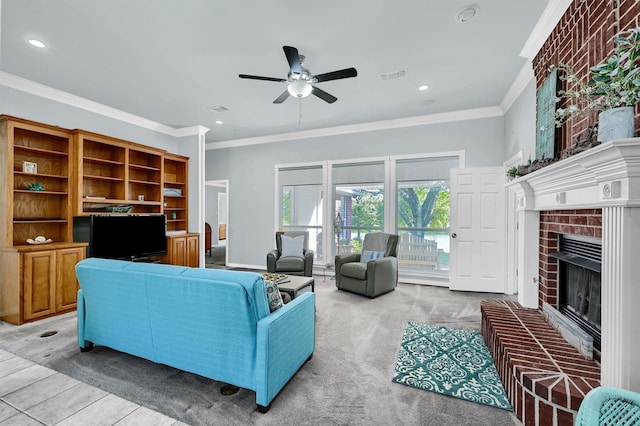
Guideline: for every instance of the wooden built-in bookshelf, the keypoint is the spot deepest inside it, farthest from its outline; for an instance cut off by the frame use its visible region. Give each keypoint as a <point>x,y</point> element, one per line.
<point>175,192</point>
<point>52,174</point>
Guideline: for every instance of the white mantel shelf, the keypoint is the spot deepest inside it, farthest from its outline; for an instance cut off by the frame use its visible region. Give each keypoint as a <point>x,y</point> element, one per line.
<point>605,175</point>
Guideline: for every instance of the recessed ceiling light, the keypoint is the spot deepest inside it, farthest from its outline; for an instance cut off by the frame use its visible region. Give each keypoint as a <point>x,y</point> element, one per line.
<point>36,43</point>
<point>467,13</point>
<point>219,122</point>
<point>423,87</point>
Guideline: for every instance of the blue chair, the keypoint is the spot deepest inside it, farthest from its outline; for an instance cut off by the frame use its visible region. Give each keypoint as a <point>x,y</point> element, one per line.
<point>609,406</point>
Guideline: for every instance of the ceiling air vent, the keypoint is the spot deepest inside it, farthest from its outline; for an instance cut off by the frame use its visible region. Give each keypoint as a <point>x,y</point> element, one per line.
<point>218,108</point>
<point>394,75</point>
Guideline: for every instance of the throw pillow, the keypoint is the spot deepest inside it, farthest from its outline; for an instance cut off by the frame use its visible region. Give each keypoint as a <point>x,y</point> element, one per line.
<point>273,296</point>
<point>292,246</point>
<point>370,255</point>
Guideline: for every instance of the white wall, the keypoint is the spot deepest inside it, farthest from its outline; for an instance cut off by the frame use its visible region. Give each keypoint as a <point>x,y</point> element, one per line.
<point>250,170</point>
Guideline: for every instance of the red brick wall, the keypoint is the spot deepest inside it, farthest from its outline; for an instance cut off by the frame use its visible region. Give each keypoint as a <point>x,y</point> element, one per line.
<point>583,38</point>
<point>586,222</point>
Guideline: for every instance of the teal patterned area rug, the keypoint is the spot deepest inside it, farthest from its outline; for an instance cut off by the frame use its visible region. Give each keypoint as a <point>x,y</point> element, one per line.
<point>451,362</point>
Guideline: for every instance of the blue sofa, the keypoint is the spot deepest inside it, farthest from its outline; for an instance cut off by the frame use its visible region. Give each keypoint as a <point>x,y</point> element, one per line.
<point>210,322</point>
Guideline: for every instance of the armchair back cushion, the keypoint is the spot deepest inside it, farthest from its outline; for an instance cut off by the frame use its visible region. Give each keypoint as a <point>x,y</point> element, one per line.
<point>385,243</point>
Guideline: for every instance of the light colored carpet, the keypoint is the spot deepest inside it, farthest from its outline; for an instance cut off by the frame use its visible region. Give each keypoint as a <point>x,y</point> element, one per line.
<point>347,382</point>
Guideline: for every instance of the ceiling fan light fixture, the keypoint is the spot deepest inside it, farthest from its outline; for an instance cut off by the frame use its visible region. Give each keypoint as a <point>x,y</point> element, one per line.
<point>299,89</point>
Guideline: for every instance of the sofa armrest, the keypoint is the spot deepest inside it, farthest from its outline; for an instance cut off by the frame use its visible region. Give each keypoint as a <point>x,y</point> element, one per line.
<point>285,340</point>
<point>308,263</point>
<point>340,260</point>
<point>272,256</point>
<point>382,275</point>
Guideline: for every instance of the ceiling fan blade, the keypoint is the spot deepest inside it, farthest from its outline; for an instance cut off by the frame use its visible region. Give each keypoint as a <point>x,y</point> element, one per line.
<point>257,77</point>
<point>336,75</point>
<point>324,95</point>
<point>293,58</point>
<point>283,97</point>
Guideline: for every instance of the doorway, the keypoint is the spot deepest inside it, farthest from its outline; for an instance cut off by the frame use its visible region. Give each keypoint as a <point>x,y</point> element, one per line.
<point>216,248</point>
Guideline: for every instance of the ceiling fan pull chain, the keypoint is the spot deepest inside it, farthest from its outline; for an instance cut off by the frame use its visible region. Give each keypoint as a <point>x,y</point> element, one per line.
<point>300,111</point>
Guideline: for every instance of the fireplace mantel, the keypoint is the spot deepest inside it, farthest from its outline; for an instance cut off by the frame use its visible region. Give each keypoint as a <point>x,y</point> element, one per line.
<point>604,177</point>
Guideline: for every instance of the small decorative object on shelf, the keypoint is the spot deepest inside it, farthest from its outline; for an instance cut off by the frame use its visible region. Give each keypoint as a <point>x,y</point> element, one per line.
<point>39,240</point>
<point>173,191</point>
<point>35,187</point>
<point>124,208</point>
<point>141,197</point>
<point>512,173</point>
<point>29,167</point>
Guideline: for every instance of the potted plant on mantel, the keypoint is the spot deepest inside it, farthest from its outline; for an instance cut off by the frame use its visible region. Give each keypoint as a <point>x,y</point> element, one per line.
<point>613,90</point>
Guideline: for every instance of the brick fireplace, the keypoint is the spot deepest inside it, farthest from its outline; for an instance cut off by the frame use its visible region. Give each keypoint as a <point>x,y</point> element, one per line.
<point>553,223</point>
<point>595,193</point>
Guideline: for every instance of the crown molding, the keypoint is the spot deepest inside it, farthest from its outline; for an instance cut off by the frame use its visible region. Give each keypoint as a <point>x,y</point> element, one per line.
<point>446,117</point>
<point>37,89</point>
<point>547,22</point>
<point>517,87</point>
<point>190,131</point>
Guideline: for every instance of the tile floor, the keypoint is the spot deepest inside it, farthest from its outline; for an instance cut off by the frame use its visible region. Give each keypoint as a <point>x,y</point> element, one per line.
<point>31,394</point>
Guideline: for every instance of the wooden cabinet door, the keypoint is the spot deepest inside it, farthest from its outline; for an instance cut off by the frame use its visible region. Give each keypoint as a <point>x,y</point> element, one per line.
<point>193,251</point>
<point>66,281</point>
<point>178,251</point>
<point>39,277</point>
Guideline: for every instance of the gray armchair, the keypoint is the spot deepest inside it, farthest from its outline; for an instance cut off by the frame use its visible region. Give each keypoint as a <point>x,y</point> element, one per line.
<point>375,277</point>
<point>291,265</point>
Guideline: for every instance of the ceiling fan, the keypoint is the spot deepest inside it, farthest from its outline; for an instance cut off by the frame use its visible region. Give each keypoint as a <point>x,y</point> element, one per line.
<point>300,82</point>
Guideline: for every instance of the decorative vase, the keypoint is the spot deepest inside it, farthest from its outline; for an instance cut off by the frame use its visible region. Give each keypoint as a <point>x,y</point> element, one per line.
<point>616,123</point>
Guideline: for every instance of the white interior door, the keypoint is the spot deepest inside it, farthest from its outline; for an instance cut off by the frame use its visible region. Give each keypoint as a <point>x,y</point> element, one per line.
<point>477,230</point>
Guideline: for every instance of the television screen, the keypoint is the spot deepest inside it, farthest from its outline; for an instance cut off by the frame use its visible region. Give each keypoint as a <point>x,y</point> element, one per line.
<point>127,236</point>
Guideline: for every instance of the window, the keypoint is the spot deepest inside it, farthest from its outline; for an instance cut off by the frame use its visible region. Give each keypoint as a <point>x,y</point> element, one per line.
<point>301,203</point>
<point>422,214</point>
<point>359,202</point>
<point>404,195</point>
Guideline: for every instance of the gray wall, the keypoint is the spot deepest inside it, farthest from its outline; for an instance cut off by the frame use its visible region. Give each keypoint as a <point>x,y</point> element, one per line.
<point>250,170</point>
<point>520,124</point>
<point>30,107</point>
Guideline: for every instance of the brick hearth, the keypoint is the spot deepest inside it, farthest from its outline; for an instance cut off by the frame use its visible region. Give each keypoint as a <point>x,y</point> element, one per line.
<point>545,377</point>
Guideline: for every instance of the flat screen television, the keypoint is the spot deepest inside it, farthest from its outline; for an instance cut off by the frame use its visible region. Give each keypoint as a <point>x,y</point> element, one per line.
<point>128,237</point>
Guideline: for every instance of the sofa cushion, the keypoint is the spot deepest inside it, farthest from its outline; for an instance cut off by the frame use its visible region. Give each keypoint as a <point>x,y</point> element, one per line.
<point>289,264</point>
<point>292,246</point>
<point>357,270</point>
<point>368,255</point>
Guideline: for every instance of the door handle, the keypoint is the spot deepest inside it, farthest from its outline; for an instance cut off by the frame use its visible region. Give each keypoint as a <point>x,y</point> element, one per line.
<point>454,235</point>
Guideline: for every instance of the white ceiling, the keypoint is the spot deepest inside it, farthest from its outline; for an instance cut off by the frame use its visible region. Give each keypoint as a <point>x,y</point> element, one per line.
<point>170,60</point>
